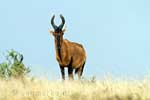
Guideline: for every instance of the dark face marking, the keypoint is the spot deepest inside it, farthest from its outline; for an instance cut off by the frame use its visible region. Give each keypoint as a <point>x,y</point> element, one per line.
<point>58,41</point>
<point>58,37</point>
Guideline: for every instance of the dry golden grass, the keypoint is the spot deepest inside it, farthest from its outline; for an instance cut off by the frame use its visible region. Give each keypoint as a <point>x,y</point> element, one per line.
<point>74,90</point>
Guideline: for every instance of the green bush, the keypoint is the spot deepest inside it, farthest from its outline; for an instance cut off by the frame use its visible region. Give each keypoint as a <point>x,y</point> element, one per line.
<point>13,66</point>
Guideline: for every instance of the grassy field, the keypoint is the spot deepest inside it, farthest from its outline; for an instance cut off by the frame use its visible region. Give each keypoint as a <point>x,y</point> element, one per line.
<point>74,90</point>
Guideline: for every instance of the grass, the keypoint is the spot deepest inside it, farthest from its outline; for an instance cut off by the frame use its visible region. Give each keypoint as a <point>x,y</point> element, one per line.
<point>74,90</point>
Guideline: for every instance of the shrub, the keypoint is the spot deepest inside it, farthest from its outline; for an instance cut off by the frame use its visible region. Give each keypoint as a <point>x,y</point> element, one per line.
<point>13,66</point>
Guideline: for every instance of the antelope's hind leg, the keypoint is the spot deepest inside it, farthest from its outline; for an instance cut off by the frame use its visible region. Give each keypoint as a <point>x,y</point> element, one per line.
<point>80,71</point>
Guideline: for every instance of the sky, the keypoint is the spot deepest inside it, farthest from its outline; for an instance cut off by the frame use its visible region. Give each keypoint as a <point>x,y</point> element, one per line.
<point>115,34</point>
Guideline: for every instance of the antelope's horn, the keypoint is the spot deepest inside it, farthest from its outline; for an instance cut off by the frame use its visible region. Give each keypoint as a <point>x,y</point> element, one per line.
<point>52,22</point>
<point>62,23</point>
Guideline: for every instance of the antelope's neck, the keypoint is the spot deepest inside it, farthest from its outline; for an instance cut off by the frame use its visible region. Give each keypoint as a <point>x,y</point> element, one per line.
<point>59,51</point>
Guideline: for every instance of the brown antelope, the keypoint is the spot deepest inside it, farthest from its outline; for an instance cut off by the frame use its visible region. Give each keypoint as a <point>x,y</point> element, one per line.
<point>68,54</point>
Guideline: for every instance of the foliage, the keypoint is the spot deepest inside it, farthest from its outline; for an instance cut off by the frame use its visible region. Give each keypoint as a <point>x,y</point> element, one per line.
<point>13,66</point>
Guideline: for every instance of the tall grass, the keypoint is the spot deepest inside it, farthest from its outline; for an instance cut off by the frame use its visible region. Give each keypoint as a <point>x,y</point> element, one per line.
<point>74,90</point>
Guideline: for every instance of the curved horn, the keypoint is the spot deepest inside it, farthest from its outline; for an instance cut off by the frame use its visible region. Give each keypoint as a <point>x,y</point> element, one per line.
<point>52,22</point>
<point>63,22</point>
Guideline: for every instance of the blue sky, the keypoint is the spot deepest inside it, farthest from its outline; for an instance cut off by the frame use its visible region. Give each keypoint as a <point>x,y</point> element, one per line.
<point>115,34</point>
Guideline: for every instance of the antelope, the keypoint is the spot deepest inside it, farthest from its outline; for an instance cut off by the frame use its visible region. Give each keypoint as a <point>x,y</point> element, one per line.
<point>68,54</point>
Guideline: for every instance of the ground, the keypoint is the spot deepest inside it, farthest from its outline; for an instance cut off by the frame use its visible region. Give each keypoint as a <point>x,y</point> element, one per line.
<point>43,89</point>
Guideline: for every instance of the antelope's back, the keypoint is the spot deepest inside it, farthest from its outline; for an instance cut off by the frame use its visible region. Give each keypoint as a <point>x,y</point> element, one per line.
<point>77,52</point>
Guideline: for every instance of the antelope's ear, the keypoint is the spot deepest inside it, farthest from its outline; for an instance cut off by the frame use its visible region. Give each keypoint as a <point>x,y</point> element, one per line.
<point>64,29</point>
<point>50,31</point>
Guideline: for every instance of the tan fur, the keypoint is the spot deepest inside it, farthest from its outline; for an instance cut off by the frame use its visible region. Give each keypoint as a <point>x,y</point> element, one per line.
<point>74,50</point>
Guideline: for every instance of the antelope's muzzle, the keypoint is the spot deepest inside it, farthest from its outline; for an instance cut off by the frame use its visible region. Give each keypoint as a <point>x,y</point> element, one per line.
<point>58,42</point>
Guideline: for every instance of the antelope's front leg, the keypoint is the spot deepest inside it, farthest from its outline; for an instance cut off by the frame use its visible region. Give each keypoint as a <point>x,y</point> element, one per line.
<point>70,73</point>
<point>62,72</point>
